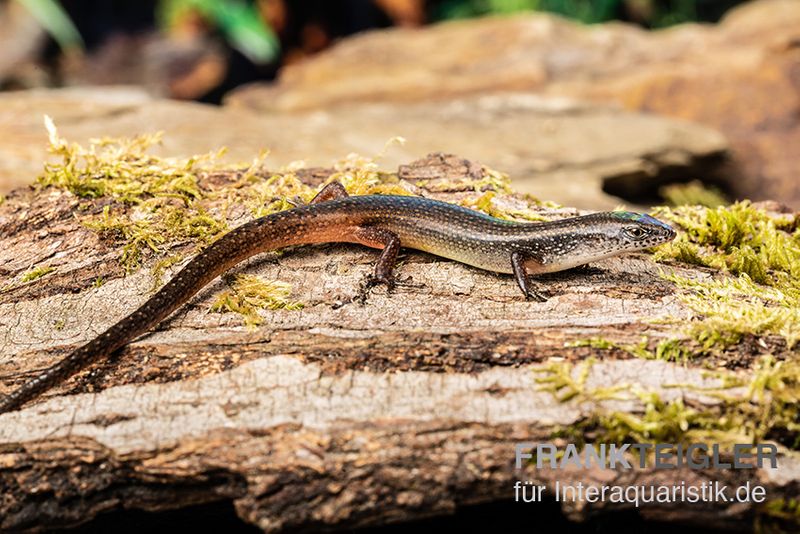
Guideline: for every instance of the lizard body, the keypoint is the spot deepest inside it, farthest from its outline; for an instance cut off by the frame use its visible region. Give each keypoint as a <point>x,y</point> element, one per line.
<point>384,222</point>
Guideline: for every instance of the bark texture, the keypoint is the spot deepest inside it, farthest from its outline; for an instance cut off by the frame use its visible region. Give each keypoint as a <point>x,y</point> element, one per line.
<point>339,415</point>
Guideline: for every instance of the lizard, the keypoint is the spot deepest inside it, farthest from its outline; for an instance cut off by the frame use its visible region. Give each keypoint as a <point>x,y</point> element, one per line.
<point>385,222</point>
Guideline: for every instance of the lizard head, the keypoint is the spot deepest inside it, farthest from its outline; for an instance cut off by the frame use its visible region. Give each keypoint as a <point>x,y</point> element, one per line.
<point>567,243</point>
<point>636,231</point>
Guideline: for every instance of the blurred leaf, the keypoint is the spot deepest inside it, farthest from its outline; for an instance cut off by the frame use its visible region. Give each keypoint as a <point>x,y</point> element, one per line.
<point>238,20</point>
<point>55,20</point>
<point>658,13</point>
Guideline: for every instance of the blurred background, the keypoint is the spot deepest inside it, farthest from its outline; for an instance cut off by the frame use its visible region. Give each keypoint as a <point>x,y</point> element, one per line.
<point>589,103</point>
<point>201,49</point>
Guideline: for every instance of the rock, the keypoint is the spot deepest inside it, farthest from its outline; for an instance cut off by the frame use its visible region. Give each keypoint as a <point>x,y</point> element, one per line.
<point>739,76</point>
<point>554,148</point>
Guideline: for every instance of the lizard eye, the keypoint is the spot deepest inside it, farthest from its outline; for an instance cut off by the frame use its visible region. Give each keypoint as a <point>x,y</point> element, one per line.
<point>635,232</point>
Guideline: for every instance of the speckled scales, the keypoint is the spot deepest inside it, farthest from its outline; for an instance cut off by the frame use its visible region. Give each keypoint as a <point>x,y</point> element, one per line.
<point>440,228</point>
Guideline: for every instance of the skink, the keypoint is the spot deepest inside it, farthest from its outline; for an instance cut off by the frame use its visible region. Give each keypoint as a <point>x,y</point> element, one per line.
<point>383,222</point>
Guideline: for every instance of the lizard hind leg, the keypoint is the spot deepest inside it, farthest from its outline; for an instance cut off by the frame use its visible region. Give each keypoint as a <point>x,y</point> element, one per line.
<point>382,239</point>
<point>331,191</point>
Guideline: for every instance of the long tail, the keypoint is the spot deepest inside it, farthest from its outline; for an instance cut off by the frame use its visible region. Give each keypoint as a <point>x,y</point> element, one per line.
<point>260,235</point>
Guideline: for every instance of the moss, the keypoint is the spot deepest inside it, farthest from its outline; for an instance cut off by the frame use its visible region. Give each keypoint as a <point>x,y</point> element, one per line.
<point>161,267</point>
<point>249,294</point>
<point>98,282</point>
<point>159,200</point>
<point>263,197</point>
<point>566,383</point>
<point>486,204</point>
<point>767,411</point>
<point>121,169</point>
<point>694,193</point>
<point>559,379</point>
<point>361,176</point>
<point>672,349</point>
<point>36,273</point>
<point>739,239</point>
<point>150,229</point>
<point>660,422</point>
<point>731,308</point>
<point>761,250</point>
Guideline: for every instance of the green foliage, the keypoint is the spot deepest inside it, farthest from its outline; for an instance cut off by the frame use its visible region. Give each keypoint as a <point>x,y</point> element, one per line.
<point>653,12</point>
<point>55,20</point>
<point>238,20</point>
<point>567,382</point>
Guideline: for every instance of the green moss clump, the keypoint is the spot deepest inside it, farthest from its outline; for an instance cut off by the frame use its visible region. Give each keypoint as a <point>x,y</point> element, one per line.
<point>762,250</point>
<point>249,293</point>
<point>560,379</point>
<point>36,273</point>
<point>159,200</point>
<point>672,349</point>
<point>731,308</point>
<point>768,410</point>
<point>264,195</point>
<point>739,239</point>
<point>485,203</point>
<point>150,229</point>
<point>361,176</point>
<point>661,422</point>
<point>121,169</point>
<point>695,193</point>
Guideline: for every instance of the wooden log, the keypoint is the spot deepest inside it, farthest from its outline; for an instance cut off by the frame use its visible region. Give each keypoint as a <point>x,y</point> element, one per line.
<point>339,415</point>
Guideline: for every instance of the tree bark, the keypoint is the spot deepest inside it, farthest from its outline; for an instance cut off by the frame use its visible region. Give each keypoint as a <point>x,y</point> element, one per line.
<point>342,414</point>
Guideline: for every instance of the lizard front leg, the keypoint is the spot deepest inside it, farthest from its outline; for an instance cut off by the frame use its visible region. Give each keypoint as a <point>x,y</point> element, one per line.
<point>518,260</point>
